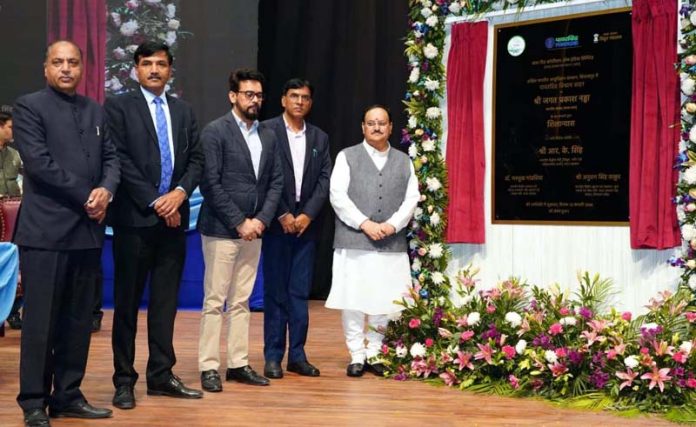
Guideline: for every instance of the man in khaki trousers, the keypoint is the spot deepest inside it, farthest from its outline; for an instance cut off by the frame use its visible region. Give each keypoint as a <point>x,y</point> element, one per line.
<point>241,185</point>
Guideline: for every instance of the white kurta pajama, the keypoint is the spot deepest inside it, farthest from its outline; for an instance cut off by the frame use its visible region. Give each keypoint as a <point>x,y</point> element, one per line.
<point>367,282</point>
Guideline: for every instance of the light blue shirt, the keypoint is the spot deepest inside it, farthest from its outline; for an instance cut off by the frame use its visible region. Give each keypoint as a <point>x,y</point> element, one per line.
<point>253,141</point>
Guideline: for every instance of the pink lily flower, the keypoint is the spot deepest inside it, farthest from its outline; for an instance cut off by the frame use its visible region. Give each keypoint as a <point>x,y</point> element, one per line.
<point>486,353</point>
<point>466,336</point>
<point>628,378</point>
<point>657,378</point>
<point>558,369</point>
<point>690,316</point>
<point>463,359</point>
<point>598,325</point>
<point>449,378</point>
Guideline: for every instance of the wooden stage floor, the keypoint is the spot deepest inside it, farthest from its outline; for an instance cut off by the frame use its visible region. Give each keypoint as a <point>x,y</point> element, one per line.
<point>332,399</point>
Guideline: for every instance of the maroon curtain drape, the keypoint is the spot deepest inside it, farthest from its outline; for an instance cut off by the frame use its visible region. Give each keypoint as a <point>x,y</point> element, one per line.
<point>654,125</point>
<point>466,161</point>
<point>83,22</point>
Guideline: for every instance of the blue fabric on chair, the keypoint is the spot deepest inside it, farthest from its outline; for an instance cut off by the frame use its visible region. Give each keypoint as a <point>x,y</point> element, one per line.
<point>9,274</point>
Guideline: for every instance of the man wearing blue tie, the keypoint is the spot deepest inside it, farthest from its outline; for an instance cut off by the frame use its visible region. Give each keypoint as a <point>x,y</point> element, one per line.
<point>157,140</point>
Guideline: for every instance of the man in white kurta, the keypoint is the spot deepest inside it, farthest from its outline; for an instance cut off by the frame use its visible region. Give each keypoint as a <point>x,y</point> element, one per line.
<point>374,191</point>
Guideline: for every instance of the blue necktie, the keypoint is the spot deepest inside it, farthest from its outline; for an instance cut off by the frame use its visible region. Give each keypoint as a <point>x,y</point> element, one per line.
<point>165,153</point>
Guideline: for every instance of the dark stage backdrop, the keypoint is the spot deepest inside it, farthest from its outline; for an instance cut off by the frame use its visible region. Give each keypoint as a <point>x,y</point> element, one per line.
<point>23,32</point>
<point>352,52</point>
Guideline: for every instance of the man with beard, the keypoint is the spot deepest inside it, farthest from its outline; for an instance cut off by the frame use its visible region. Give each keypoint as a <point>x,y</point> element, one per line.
<point>157,140</point>
<point>241,185</point>
<point>374,191</point>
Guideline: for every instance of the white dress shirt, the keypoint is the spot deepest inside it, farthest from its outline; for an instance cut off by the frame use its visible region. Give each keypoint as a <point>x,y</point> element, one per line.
<point>298,150</point>
<point>253,141</point>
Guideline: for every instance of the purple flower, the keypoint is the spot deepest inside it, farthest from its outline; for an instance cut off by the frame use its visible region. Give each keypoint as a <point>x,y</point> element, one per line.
<point>575,357</point>
<point>543,341</point>
<point>585,312</point>
<point>400,376</point>
<point>437,317</point>
<point>678,371</point>
<point>492,332</point>
<point>599,379</point>
<point>599,359</point>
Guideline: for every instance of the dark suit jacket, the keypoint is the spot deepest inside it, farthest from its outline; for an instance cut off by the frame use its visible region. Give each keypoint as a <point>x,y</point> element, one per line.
<point>135,138</point>
<point>67,152</point>
<point>231,192</point>
<point>315,178</point>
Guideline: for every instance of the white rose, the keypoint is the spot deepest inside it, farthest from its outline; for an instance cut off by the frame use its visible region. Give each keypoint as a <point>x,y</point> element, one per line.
<point>514,319</point>
<point>416,265</point>
<point>412,151</point>
<point>435,250</point>
<point>550,356</point>
<point>691,264</point>
<point>681,216</point>
<point>417,350</point>
<point>170,39</point>
<point>418,212</point>
<point>173,24</point>
<point>692,18</point>
<point>686,347</point>
<point>116,17</point>
<point>428,145</point>
<point>426,12</point>
<point>689,175</point>
<point>119,53</point>
<point>692,282</point>
<point>431,21</point>
<point>631,362</point>
<point>131,48</point>
<point>455,7</point>
<point>431,84</point>
<point>413,244</point>
<point>473,318</point>
<point>438,278</point>
<point>426,3</point>
<point>692,134</point>
<point>171,10</point>
<point>115,84</point>
<point>152,1</point>
<point>569,321</point>
<point>129,28</point>
<point>412,122</point>
<point>433,184</point>
<point>415,75</point>
<point>434,219</point>
<point>521,346</point>
<point>687,86</point>
<point>688,231</point>
<point>401,351</point>
<point>432,113</point>
<point>430,52</point>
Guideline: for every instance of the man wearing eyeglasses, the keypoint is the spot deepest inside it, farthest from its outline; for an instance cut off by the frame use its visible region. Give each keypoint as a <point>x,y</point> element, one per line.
<point>374,192</point>
<point>289,245</point>
<point>242,183</point>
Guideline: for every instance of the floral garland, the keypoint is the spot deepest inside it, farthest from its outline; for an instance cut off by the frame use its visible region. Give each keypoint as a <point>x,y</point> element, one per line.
<point>517,339</point>
<point>131,23</point>
<point>686,161</point>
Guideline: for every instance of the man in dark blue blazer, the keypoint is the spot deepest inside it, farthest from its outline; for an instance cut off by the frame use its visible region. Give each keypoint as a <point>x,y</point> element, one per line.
<point>241,185</point>
<point>157,140</point>
<point>290,244</point>
<point>71,172</point>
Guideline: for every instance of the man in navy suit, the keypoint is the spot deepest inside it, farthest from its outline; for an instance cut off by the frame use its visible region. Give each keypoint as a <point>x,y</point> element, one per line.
<point>71,172</point>
<point>289,245</point>
<point>157,140</point>
<point>241,185</point>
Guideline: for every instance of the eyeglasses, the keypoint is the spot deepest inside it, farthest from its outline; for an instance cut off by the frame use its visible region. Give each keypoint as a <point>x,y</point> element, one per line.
<point>376,124</point>
<point>250,95</point>
<point>294,97</point>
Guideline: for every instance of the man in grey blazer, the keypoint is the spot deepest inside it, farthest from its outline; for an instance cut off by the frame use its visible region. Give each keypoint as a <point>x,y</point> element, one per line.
<point>241,185</point>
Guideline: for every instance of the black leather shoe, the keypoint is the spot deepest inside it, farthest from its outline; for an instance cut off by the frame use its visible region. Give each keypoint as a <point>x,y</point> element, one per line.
<point>376,368</point>
<point>355,370</point>
<point>303,368</point>
<point>246,375</point>
<point>173,387</point>
<point>36,418</point>
<point>15,321</point>
<point>80,409</point>
<point>210,381</point>
<point>273,370</point>
<point>124,398</point>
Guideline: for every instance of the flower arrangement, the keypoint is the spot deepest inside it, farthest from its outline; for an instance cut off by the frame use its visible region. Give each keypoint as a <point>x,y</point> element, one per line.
<point>130,23</point>
<point>686,161</point>
<point>522,340</point>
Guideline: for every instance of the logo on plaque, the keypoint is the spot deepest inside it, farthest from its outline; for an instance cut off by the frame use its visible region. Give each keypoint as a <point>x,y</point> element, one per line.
<point>516,46</point>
